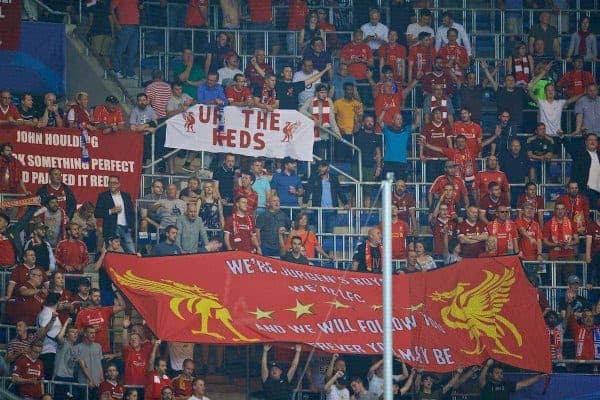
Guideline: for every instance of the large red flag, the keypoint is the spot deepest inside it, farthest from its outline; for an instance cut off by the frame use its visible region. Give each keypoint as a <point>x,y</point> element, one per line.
<point>10,24</point>
<point>455,316</point>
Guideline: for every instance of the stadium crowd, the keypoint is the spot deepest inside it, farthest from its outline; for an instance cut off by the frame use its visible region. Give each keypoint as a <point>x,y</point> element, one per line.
<point>357,91</point>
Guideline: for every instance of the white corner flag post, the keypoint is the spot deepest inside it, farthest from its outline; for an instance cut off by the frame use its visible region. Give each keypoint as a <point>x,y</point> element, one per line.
<point>388,342</point>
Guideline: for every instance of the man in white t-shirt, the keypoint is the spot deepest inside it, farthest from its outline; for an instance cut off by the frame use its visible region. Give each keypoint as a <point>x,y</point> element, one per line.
<point>550,109</point>
<point>199,388</point>
<point>424,25</point>
<point>336,387</point>
<point>375,376</point>
<point>178,353</point>
<point>48,316</point>
<point>307,72</point>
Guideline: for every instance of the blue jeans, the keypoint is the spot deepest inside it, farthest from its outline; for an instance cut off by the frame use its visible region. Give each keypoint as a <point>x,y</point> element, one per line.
<point>126,239</point>
<point>126,50</point>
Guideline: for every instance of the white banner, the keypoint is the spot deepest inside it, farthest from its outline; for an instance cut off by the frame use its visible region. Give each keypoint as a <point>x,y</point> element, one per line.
<point>246,131</point>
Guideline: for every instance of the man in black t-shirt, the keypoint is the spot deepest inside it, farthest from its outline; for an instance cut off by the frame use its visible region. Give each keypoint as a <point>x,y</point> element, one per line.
<point>496,388</point>
<point>276,385</point>
<point>368,256</point>
<point>224,176</point>
<point>294,255</point>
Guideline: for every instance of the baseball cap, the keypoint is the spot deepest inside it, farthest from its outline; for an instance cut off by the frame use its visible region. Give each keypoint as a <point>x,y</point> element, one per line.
<point>449,163</point>
<point>112,99</point>
<point>573,279</point>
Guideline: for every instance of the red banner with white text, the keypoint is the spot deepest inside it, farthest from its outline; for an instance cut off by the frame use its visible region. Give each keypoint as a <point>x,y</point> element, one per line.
<point>453,317</point>
<point>39,149</point>
<point>10,24</point>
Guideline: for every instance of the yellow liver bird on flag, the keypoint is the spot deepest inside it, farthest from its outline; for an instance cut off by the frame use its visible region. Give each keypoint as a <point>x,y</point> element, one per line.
<point>198,301</point>
<point>478,311</point>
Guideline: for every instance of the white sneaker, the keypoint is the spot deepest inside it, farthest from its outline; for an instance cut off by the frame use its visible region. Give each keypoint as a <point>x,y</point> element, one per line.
<point>119,75</point>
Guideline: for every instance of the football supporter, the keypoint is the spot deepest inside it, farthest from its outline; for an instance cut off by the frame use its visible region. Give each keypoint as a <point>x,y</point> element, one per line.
<point>439,75</point>
<point>49,316</point>
<point>439,133</point>
<point>276,385</point>
<point>561,238</point>
<point>10,238</point>
<point>63,193</point>
<point>442,226</point>
<point>422,25</point>
<point>287,185</point>
<point>505,232</point>
<point>530,234</point>
<point>240,233</point>
<point>491,174</point>
<point>592,251</point>
<point>358,56</point>
<point>584,331</point>
<point>295,253</point>
<point>71,253</point>
<point>198,390</point>
<point>468,128</point>
<point>108,116</point>
<point>11,171</point>
<point>169,246</point>
<point>455,56</point>
<point>494,386</point>
<point>18,277</point>
<point>159,93</point>
<point>530,197</point>
<point>238,94</point>
<point>191,232</point>
<point>310,245</point>
<point>64,367</point>
<point>437,188</point>
<point>472,233</point>
<point>255,79</point>
<point>183,383</point>
<point>111,384</point>
<point>368,256</point>
<point>323,112</point>
<point>9,114</point>
<point>405,201</point>
<point>421,56</point>
<point>577,207</point>
<point>116,210</point>
<point>448,199</point>
<point>490,203</point>
<point>400,232</point>
<point>99,318</point>
<point>136,354</point>
<point>244,188</point>
<point>28,373</point>
<point>574,82</point>
<point>438,100</point>
<point>156,377</point>
<point>29,297</point>
<point>393,55</point>
<point>268,225</point>
<point>89,358</point>
<point>79,115</point>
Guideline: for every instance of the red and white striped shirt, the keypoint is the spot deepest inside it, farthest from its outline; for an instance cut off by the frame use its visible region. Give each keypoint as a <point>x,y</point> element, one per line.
<point>159,94</point>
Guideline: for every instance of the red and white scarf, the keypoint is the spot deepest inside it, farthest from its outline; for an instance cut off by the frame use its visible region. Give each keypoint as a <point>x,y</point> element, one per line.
<point>561,235</point>
<point>442,104</point>
<point>556,342</point>
<point>238,220</point>
<point>522,69</point>
<point>321,111</point>
<point>369,256</point>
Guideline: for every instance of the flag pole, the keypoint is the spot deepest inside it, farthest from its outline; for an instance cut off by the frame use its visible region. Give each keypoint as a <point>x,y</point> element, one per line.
<point>387,286</point>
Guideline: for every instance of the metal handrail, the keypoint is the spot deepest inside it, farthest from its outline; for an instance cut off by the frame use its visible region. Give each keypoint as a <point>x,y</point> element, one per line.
<point>54,12</point>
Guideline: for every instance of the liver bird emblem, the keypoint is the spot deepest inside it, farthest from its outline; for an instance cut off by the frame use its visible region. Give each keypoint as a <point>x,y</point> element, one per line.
<point>478,311</point>
<point>196,299</point>
<point>288,131</point>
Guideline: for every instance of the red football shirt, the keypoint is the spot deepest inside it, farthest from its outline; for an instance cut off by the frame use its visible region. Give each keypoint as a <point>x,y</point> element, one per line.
<point>11,111</point>
<point>593,230</point>
<point>585,339</point>
<point>490,206</point>
<point>439,228</point>
<point>241,232</point>
<point>466,161</point>
<point>576,81</point>
<point>100,319</point>
<point>298,10</point>
<point>28,307</point>
<point>505,233</point>
<point>422,58</point>
<point>470,130</point>
<point>26,368</point>
<point>453,54</point>
<point>351,52</point>
<point>260,11</point>
<point>429,80</point>
<point>194,17</point>
<point>117,392</point>
<point>251,195</point>
<point>391,53</point>
<point>467,229</point>
<point>60,194</point>
<point>400,231</point>
<point>436,135</point>
<point>533,229</point>
<point>136,364</point>
<point>154,384</point>
<point>404,202</point>
<point>71,253</point>
<point>237,96</point>
<point>460,190</point>
<point>484,178</point>
<point>560,236</point>
<point>103,116</point>
<point>537,202</point>
<point>394,102</point>
<point>7,252</point>
<point>128,11</point>
<point>578,209</point>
